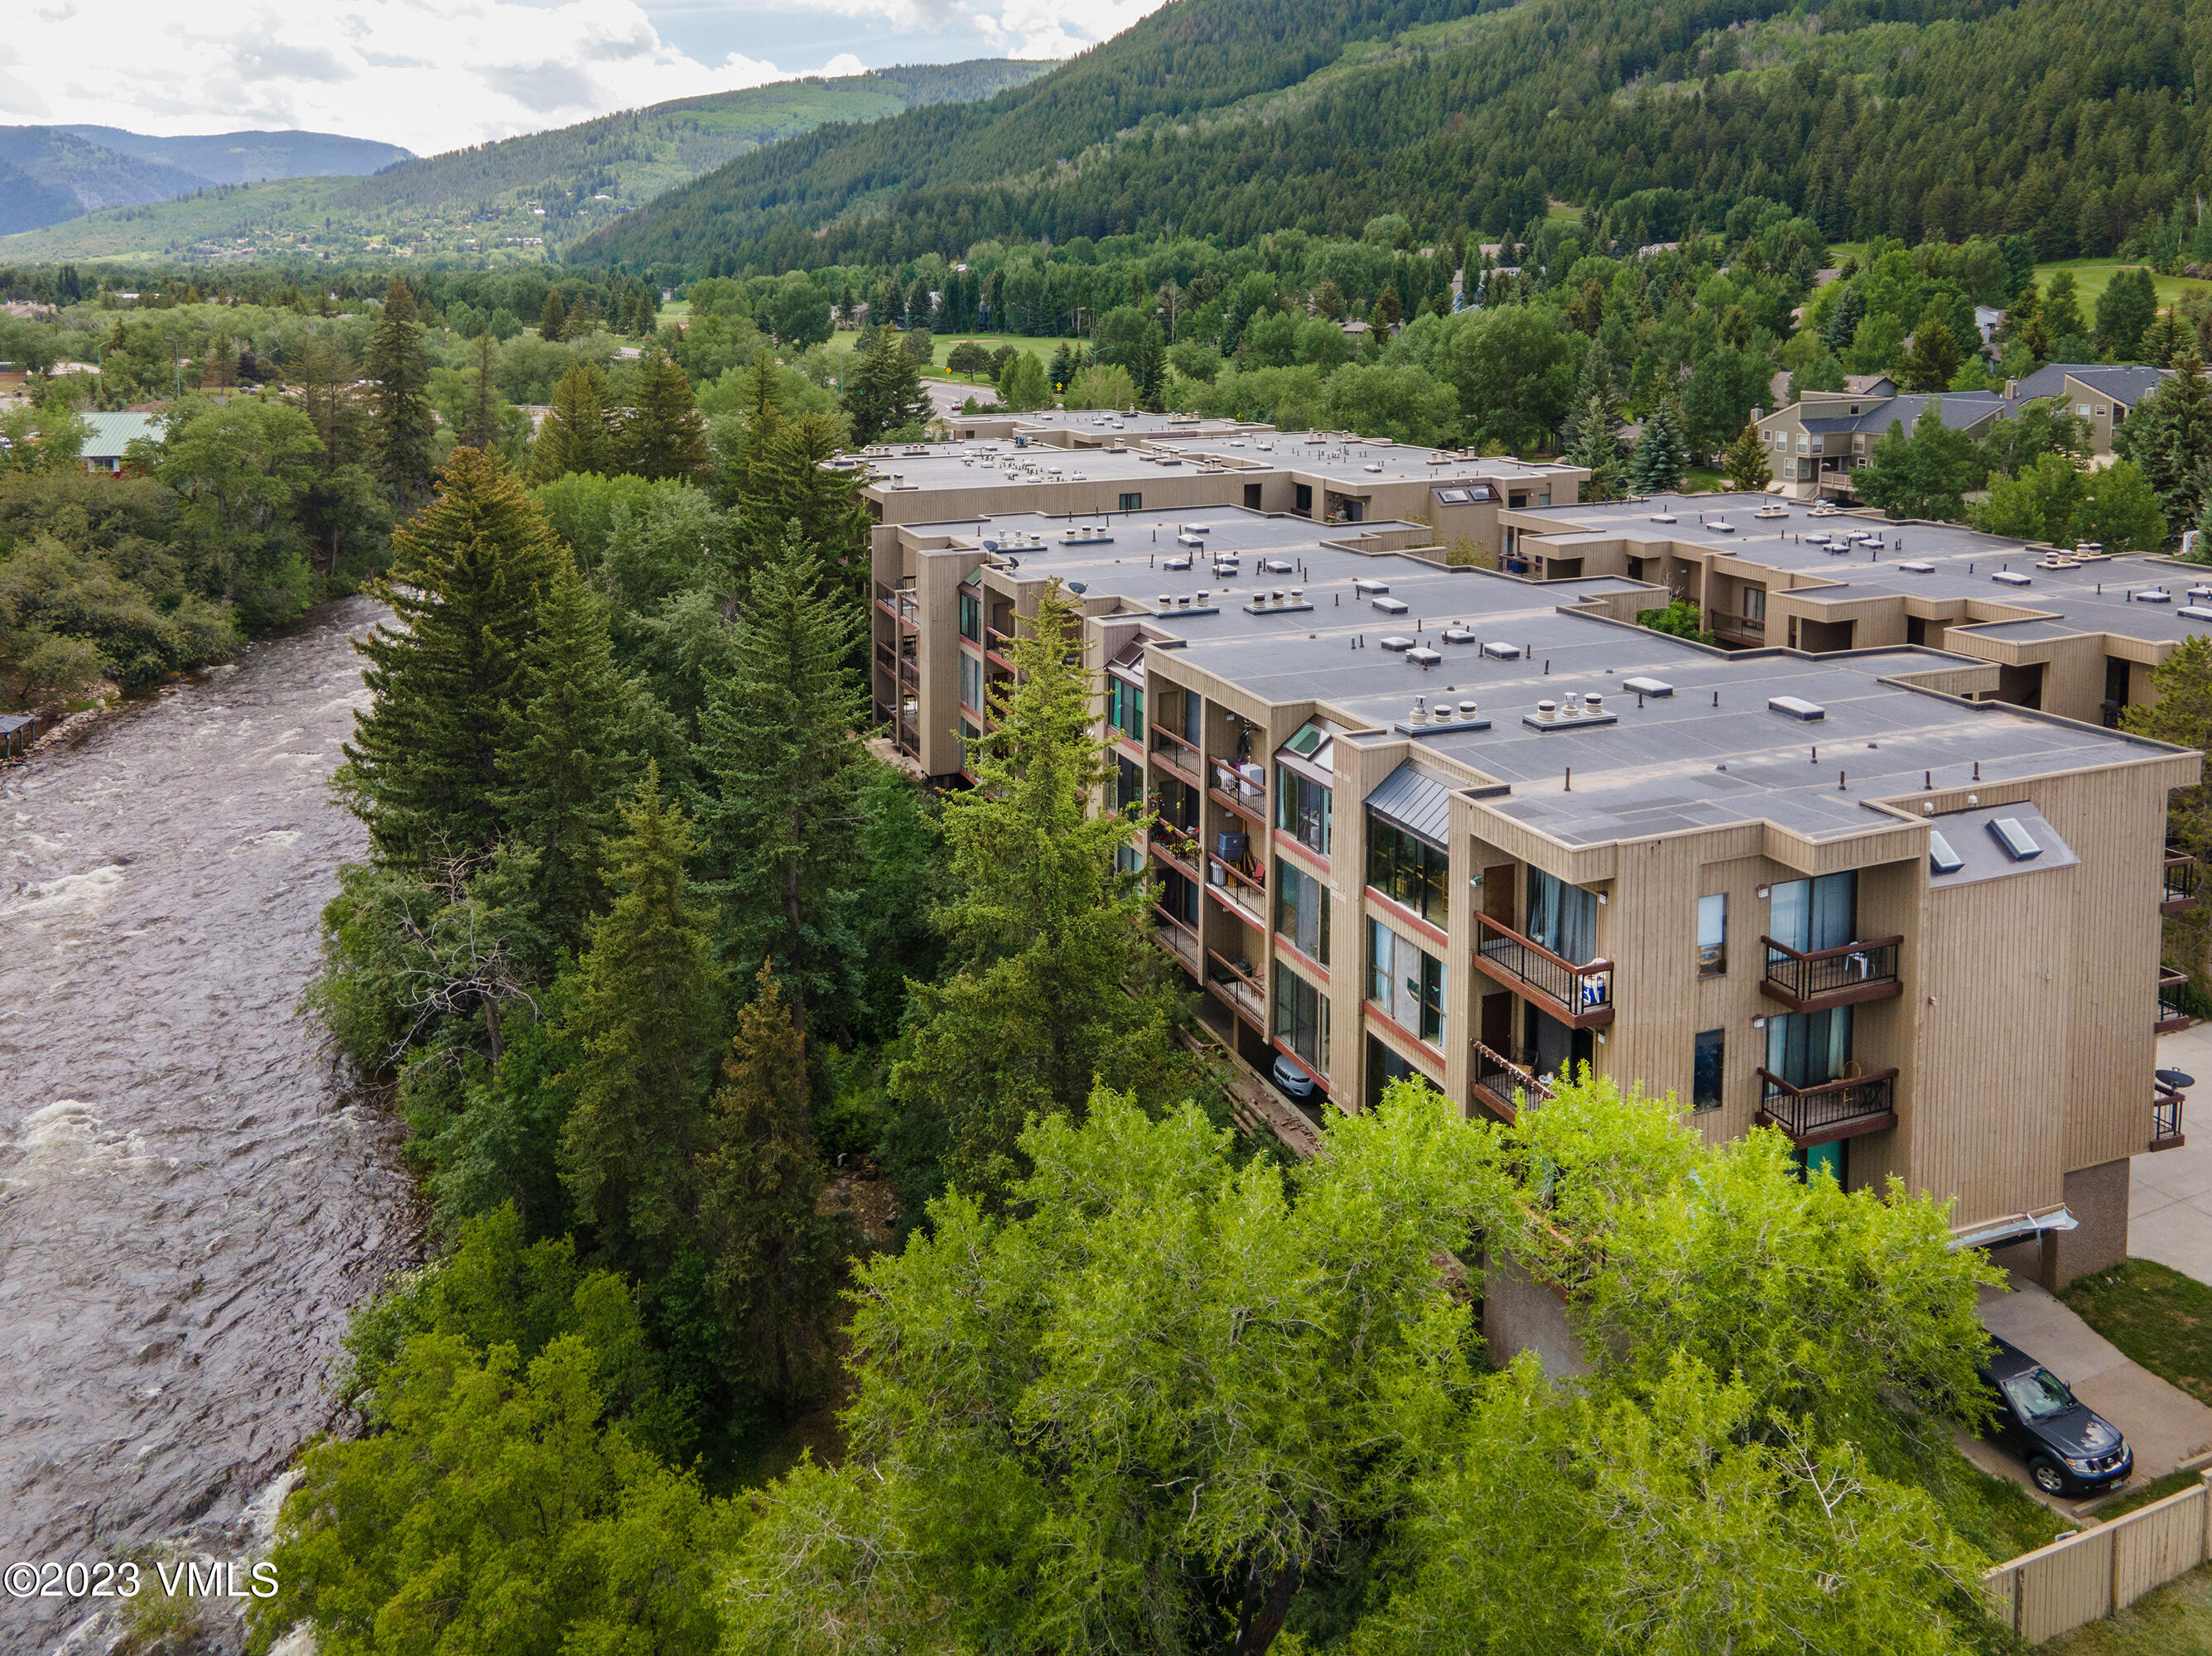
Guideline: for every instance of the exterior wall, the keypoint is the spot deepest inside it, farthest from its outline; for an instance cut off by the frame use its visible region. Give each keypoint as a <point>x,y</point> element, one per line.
<point>2098,1199</point>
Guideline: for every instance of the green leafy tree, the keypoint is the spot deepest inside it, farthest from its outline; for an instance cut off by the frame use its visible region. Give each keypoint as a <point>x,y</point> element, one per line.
<point>647,1018</point>
<point>2045,426</point>
<point>1054,981</point>
<point>342,509</point>
<point>1925,474</point>
<point>406,429</point>
<point>1681,618</point>
<point>662,435</point>
<point>969,360</point>
<point>887,394</point>
<point>2125,310</point>
<point>1024,385</point>
<point>798,312</point>
<point>574,435</point>
<point>1515,367</point>
<point>1661,453</point>
<point>2057,499</point>
<point>1102,387</point>
<point>1203,1383</point>
<point>774,1263</point>
<point>1746,462</point>
<point>780,748</point>
<point>1400,400</point>
<point>468,576</point>
<point>1726,385</point>
<point>240,468</point>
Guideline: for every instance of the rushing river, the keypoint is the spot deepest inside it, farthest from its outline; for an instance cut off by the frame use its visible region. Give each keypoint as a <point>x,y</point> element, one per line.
<point>190,1203</point>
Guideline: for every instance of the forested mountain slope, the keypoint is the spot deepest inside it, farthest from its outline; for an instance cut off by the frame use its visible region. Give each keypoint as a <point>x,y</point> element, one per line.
<point>249,157</point>
<point>1908,117</point>
<point>48,172</point>
<point>522,194</point>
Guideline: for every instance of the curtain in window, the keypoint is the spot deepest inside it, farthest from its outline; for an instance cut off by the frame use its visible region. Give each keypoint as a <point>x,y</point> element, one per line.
<point>1562,918</point>
<point>1807,1048</point>
<point>1809,915</point>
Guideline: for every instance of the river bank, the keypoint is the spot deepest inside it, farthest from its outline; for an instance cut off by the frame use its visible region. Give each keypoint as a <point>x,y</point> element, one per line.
<point>190,1203</point>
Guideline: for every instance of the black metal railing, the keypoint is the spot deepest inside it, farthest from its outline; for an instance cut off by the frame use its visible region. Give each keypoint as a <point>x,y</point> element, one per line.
<point>2182,878</point>
<point>2166,1117</point>
<point>1820,1109</point>
<point>2172,1000</point>
<point>1584,990</point>
<point>1857,969</point>
<point>1514,1088</point>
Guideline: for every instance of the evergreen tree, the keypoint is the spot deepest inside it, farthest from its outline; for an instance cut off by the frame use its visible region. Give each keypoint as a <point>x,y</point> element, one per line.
<point>780,740</point>
<point>1597,447</point>
<point>663,436</point>
<point>1744,461</point>
<point>647,1016</point>
<point>1844,320</point>
<point>1023,384</point>
<point>1663,453</point>
<point>569,762</point>
<point>2169,435</point>
<point>481,431</point>
<point>772,1261</point>
<point>887,394</point>
<point>2061,308</point>
<point>1054,982</point>
<point>406,429</point>
<point>467,579</point>
<point>1933,358</point>
<point>2124,312</point>
<point>553,320</point>
<point>574,436</point>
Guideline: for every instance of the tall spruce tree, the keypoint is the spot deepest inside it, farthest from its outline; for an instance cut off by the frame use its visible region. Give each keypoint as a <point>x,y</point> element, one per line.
<point>406,429</point>
<point>782,812</point>
<point>663,436</point>
<point>1663,453</point>
<point>787,484</point>
<point>773,1262</point>
<point>1597,447</point>
<point>574,435</point>
<point>467,578</point>
<point>481,429</point>
<point>887,395</point>
<point>2169,435</point>
<point>553,318</point>
<point>569,760</point>
<point>646,1014</point>
<point>1744,461</point>
<point>1054,982</point>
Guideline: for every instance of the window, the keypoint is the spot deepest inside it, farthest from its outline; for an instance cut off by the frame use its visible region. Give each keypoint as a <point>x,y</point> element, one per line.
<point>1128,784</point>
<point>1562,918</point>
<point>1301,808</point>
<point>1301,911</point>
<point>1302,1018</point>
<point>1808,1048</point>
<point>1409,871</point>
<point>1810,915</point>
<point>1124,707</point>
<point>971,681</point>
<point>1406,982</point>
<point>967,733</point>
<point>1712,937</point>
<point>1705,1070</point>
<point>1754,603</point>
<point>1782,441</point>
<point>971,618</point>
<point>1132,503</point>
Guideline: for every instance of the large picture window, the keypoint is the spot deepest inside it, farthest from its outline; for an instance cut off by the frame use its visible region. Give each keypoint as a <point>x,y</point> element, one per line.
<point>1562,918</point>
<point>1301,1019</point>
<point>1411,872</point>
<point>1301,911</point>
<point>1406,982</point>
<point>971,681</point>
<point>1301,808</point>
<point>1124,707</point>
<point>971,618</point>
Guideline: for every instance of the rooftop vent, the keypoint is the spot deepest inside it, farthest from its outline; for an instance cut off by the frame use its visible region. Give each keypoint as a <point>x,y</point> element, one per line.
<point>1502,651</point>
<point>1178,563</point>
<point>1662,517</point>
<point>2019,844</point>
<point>1459,635</point>
<point>1721,526</point>
<point>1577,712</point>
<point>2194,612</point>
<point>1917,568</point>
<point>1394,642</point>
<point>1651,687</point>
<point>1391,606</point>
<point>2154,595</point>
<point>1196,543</point>
<point>1941,859</point>
<point>1277,567</point>
<point>1425,658</point>
<point>1798,707</point>
<point>1368,588</point>
<point>2012,578</point>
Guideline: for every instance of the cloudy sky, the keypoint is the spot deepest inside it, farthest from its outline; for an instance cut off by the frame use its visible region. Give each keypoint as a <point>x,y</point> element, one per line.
<point>434,75</point>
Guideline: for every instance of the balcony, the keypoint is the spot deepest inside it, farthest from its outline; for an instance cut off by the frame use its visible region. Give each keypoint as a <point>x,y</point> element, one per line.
<point>1177,939</point>
<point>1580,997</point>
<point>1842,976</point>
<point>1742,629</point>
<point>899,605</point>
<point>1179,758</point>
<point>1238,988</point>
<point>1229,789</point>
<point>2165,1104</point>
<point>1238,892</point>
<point>1504,1088</point>
<point>2182,875</point>
<point>2172,1007</point>
<point>1829,1110</point>
<point>996,644</point>
<point>1178,850</point>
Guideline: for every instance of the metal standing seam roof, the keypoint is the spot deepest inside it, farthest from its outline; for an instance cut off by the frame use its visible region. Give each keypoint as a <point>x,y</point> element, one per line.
<point>1410,798</point>
<point>108,435</point>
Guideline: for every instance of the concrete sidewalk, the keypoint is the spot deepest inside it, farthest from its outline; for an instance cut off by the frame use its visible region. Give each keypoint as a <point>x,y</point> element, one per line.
<point>2170,1192</point>
<point>2163,1425</point>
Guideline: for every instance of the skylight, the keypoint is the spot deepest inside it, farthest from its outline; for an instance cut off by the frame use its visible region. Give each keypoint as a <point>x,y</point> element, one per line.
<point>2019,844</point>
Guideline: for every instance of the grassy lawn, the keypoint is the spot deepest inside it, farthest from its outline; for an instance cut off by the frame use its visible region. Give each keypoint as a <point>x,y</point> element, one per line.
<point>2157,1490</point>
<point>2093,276</point>
<point>2159,1317</point>
<point>849,339</point>
<point>2175,1621</point>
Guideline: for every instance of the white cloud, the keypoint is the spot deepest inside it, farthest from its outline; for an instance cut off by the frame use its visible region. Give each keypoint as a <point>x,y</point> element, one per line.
<point>432,75</point>
<point>1018,28</point>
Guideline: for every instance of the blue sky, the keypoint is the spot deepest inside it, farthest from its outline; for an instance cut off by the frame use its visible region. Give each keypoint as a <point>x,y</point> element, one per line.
<point>437,74</point>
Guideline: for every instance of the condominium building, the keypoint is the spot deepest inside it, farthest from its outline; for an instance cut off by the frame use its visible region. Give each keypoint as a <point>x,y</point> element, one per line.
<point>2072,631</point>
<point>1409,819</point>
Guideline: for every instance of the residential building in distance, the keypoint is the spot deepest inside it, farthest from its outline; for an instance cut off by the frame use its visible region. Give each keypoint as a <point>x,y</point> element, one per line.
<point>2073,632</point>
<point>1409,819</point>
<point>108,437</point>
<point>1816,443</point>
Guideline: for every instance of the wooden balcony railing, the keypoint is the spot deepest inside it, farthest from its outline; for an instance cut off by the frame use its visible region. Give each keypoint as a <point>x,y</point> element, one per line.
<point>1178,850</point>
<point>1841,976</point>
<point>2173,1006</point>
<point>1177,939</point>
<point>2182,877</point>
<point>2165,1104</point>
<point>899,605</point>
<point>1180,758</point>
<point>1720,621</point>
<point>1239,989</point>
<point>1578,996</point>
<point>1832,1109</point>
<point>995,645</point>
<point>1248,895</point>
<point>1505,1087</point>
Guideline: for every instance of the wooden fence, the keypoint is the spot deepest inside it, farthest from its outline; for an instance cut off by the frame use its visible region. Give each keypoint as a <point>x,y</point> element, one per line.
<point>2105,1569</point>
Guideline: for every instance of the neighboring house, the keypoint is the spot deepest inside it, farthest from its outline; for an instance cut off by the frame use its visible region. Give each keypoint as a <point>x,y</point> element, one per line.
<point>2100,394</point>
<point>1346,762</point>
<point>109,436</point>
